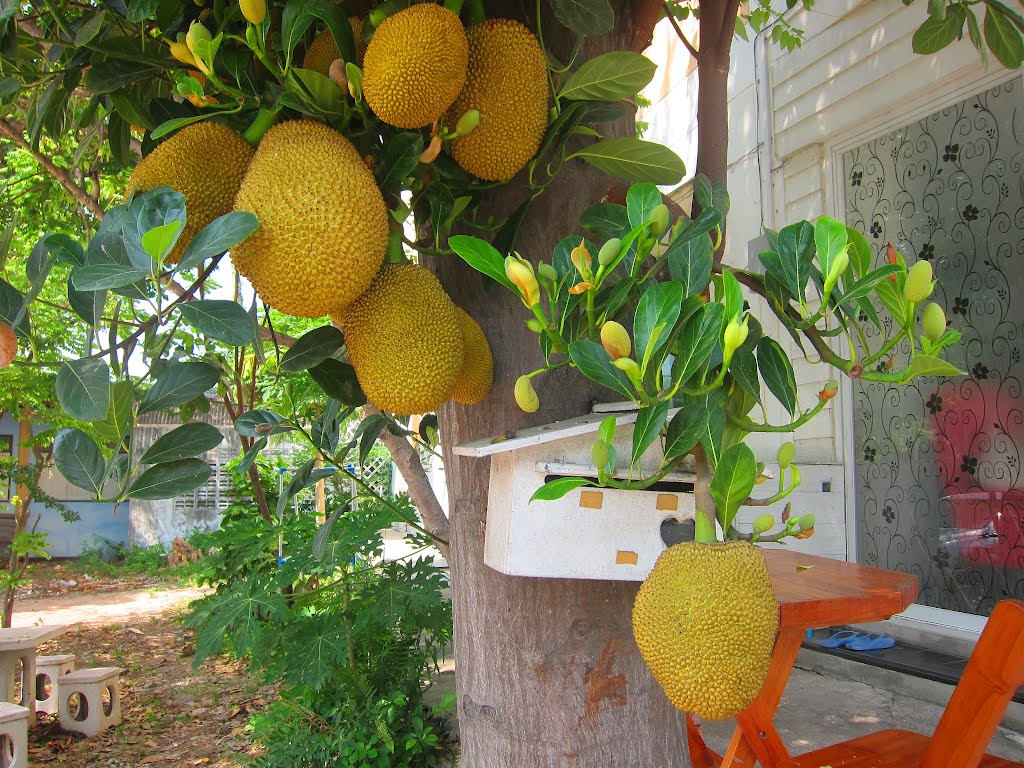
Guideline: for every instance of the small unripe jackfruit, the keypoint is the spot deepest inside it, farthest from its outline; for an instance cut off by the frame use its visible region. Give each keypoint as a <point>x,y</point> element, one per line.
<point>254,11</point>
<point>933,321</point>
<point>526,395</point>
<point>918,285</point>
<point>415,65</point>
<point>705,622</point>
<point>478,365</point>
<point>405,340</point>
<point>615,339</point>
<point>8,345</point>
<point>323,225</point>
<point>206,163</point>
<point>508,85</point>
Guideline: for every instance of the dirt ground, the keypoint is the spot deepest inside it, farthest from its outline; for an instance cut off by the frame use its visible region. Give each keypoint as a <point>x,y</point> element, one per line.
<point>175,716</point>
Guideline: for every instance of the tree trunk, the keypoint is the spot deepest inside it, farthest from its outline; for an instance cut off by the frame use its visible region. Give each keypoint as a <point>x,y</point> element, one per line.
<point>548,674</point>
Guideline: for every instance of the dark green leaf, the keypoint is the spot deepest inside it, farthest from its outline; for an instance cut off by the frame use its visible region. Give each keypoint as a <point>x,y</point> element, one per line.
<point>935,33</point>
<point>401,156</point>
<point>585,17</point>
<point>743,368</point>
<point>165,481</point>
<point>98,277</point>
<point>368,432</point>
<point>79,460</point>
<point>326,428</point>
<point>641,199</point>
<point>734,479</point>
<point>777,372</point>
<point>312,348</point>
<point>117,421</point>
<point>338,380</point>
<point>83,388</point>
<point>247,424</point>
<point>556,489</point>
<point>65,250</point>
<point>649,421</point>
<point>40,262</point>
<point>12,304</point>
<point>217,237</point>
<point>594,363</point>
<point>635,160</point>
<point>690,262</point>
<point>88,305</point>
<point>698,340</point>
<point>658,308</point>
<point>685,429</point>
<point>90,28</point>
<point>221,320</point>
<point>1003,38</point>
<point>612,76</point>
<point>184,442</point>
<point>606,220</point>
<point>177,384</point>
<point>251,455</point>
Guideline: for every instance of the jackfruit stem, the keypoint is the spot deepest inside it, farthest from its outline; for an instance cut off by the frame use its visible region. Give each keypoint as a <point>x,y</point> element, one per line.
<point>396,253</point>
<point>262,123</point>
<point>704,528</point>
<point>475,13</point>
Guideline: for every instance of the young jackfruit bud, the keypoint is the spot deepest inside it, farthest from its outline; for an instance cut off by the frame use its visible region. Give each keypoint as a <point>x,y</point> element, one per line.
<point>470,119</point>
<point>786,454</point>
<point>526,396</point>
<point>601,454</point>
<point>520,272</point>
<point>336,72</point>
<point>180,51</point>
<point>581,259</point>
<point>8,345</point>
<point>546,271</point>
<point>659,220</point>
<point>615,339</point>
<point>933,321</point>
<point>829,391</point>
<point>198,41</point>
<point>806,522</point>
<point>763,524</point>
<point>918,285</point>
<point>609,251</point>
<point>836,270</point>
<point>254,11</point>
<point>534,325</point>
<point>735,335</point>
<point>629,367</point>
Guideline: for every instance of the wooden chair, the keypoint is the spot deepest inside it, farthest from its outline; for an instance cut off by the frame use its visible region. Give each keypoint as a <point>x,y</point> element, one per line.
<point>993,674</point>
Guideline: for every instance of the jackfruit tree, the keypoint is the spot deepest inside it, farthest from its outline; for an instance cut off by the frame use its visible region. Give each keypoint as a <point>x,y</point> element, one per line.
<point>503,124</point>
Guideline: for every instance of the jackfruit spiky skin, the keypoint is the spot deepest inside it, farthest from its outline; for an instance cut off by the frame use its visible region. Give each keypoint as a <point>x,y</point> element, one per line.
<point>323,224</point>
<point>415,65</point>
<point>323,50</point>
<point>508,85</point>
<point>478,367</point>
<point>405,340</point>
<point>206,163</point>
<point>705,622</point>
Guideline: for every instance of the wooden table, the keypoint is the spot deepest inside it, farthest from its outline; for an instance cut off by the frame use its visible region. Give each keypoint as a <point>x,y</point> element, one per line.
<point>19,644</point>
<point>812,592</point>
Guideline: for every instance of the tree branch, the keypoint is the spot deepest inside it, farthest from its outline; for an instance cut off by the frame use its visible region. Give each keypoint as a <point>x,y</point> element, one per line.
<point>679,32</point>
<point>407,459</point>
<point>62,176</point>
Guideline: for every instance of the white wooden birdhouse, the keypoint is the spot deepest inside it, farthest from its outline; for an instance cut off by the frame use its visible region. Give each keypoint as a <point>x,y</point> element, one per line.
<point>607,533</point>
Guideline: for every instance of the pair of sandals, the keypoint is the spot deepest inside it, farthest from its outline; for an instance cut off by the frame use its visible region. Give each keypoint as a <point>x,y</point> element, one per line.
<point>857,641</point>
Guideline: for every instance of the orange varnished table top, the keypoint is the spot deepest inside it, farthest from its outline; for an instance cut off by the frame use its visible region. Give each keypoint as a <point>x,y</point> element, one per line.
<point>817,591</point>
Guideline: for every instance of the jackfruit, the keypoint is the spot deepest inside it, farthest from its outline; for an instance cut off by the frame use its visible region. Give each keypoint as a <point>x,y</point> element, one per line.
<point>478,367</point>
<point>405,341</point>
<point>205,162</point>
<point>508,85</point>
<point>705,622</point>
<point>415,65</point>
<point>8,345</point>
<point>323,224</point>
<point>323,50</point>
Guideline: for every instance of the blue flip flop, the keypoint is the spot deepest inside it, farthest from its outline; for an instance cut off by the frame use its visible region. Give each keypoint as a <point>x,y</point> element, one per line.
<point>872,642</point>
<point>839,639</point>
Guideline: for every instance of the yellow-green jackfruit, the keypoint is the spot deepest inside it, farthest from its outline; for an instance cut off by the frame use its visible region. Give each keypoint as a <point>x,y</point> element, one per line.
<point>405,340</point>
<point>478,366</point>
<point>705,622</point>
<point>323,223</point>
<point>508,85</point>
<point>415,65</point>
<point>323,50</point>
<point>205,162</point>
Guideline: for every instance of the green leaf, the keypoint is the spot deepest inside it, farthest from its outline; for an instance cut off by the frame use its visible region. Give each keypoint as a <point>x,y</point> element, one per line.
<point>777,372</point>
<point>88,305</point>
<point>247,424</point>
<point>658,308</point>
<point>925,365</point>
<point>732,295</point>
<point>606,220</point>
<point>612,76</point>
<point>218,236</point>
<point>326,430</point>
<point>685,429</point>
<point>170,126</point>
<point>974,33</point>
<point>734,479</point>
<point>83,388</point>
<point>891,296</point>
<point>65,250</point>
<point>649,421</point>
<point>90,29</point>
<point>935,33</point>
<point>698,340</point>
<point>585,17</point>
<point>79,460</point>
<point>184,442</point>
<point>165,481</point>
<point>556,489</point>
<point>97,277</point>
<point>12,304</point>
<point>866,285</point>
<point>743,368</point>
<point>312,348</point>
<point>220,319</point>
<point>158,241</point>
<point>641,199</point>
<point>40,262</point>
<point>251,455</point>
<point>634,160</point>
<point>338,380</point>
<point>830,240</point>
<point>860,252</point>
<point>606,431</point>
<point>594,363</point>
<point>690,262</point>
<point>482,257</point>
<point>712,438</point>
<point>319,91</point>
<point>177,384</point>
<point>1003,38</point>
<point>401,156</point>
<point>116,423</point>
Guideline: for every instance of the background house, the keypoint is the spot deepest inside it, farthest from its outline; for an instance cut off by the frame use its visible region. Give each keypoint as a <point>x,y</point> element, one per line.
<point>924,152</point>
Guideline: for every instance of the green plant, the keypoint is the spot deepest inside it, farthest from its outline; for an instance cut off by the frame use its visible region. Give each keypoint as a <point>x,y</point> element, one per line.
<point>697,361</point>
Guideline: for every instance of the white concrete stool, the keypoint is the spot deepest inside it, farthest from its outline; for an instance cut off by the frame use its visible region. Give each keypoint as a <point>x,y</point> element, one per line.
<point>18,683</point>
<point>92,715</point>
<point>49,670</point>
<point>13,735</point>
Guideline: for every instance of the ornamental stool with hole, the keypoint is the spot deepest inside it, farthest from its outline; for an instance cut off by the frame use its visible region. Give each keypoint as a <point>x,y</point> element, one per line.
<point>17,671</point>
<point>13,735</point>
<point>49,670</point>
<point>90,700</point>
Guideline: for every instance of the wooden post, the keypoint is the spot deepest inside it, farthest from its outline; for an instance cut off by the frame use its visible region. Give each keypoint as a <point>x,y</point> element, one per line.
<point>321,492</point>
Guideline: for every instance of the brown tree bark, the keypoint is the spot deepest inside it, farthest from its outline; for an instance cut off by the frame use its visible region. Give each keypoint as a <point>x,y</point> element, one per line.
<point>548,674</point>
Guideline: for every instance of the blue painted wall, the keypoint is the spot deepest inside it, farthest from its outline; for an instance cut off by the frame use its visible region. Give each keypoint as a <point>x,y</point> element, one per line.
<point>67,539</point>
